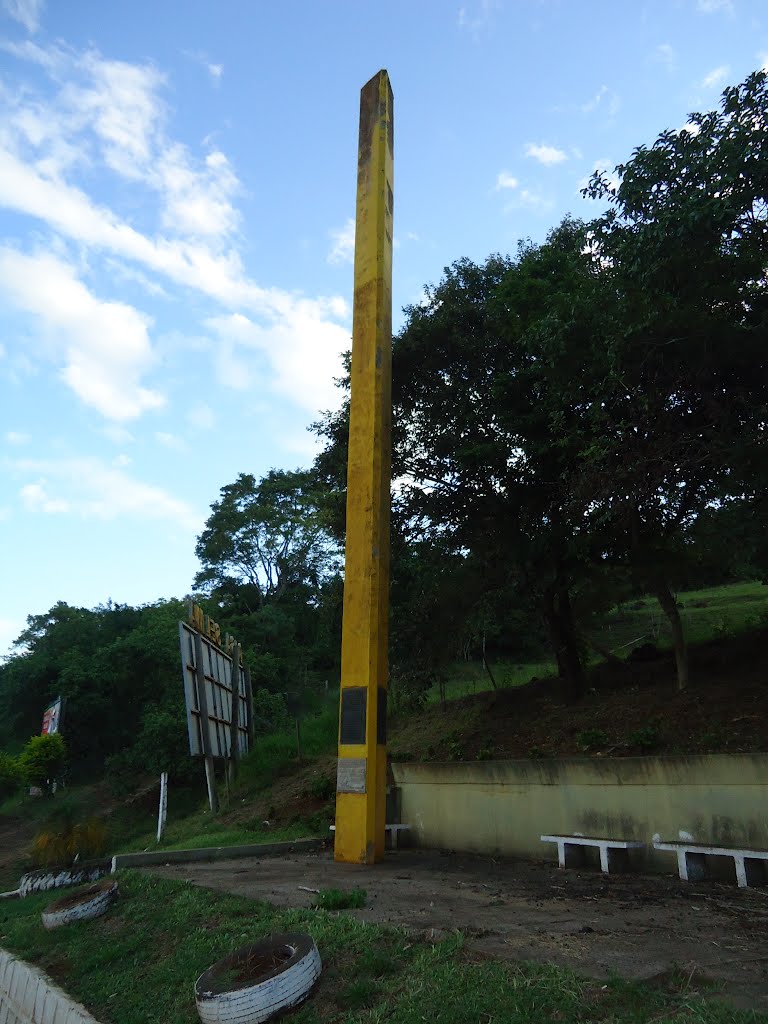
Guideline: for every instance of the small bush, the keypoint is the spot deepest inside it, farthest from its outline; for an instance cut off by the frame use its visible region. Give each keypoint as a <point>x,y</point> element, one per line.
<point>647,737</point>
<point>66,841</point>
<point>321,788</point>
<point>42,760</point>
<point>593,739</point>
<point>336,899</point>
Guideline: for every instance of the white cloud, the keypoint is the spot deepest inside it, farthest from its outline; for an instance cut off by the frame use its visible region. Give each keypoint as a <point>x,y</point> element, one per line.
<point>16,437</point>
<point>535,201</point>
<point>476,15</point>
<point>605,100</point>
<point>103,346</point>
<point>506,180</point>
<point>201,417</point>
<point>170,441</point>
<point>303,353</point>
<point>215,71</point>
<point>122,460</point>
<point>117,434</point>
<point>665,54</point>
<point>712,6</point>
<point>110,114</point>
<point>343,249</point>
<point>716,77</point>
<point>26,12</point>
<point>547,155</point>
<point>89,488</point>
<point>37,499</point>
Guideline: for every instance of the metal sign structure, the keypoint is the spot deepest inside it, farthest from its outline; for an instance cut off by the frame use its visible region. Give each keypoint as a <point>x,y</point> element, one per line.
<point>52,717</point>
<point>208,691</point>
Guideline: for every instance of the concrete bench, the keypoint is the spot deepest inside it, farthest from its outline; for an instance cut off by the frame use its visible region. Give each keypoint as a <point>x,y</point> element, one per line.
<point>613,852</point>
<point>393,831</point>
<point>691,864</point>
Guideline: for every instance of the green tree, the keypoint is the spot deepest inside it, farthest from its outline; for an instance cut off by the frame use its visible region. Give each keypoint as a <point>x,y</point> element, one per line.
<point>42,760</point>
<point>681,423</point>
<point>265,537</point>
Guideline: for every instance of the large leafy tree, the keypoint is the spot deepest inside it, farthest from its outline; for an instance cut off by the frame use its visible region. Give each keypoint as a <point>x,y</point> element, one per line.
<point>265,537</point>
<point>681,424</point>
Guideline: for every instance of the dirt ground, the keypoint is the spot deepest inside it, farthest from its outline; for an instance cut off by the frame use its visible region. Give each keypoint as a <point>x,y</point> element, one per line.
<point>641,927</point>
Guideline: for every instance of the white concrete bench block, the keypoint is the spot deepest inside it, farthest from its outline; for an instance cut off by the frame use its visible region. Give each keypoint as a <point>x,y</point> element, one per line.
<point>613,852</point>
<point>750,865</point>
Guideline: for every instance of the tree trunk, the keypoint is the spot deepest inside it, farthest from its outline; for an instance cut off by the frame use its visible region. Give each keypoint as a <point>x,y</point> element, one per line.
<point>562,633</point>
<point>666,599</point>
<point>487,666</point>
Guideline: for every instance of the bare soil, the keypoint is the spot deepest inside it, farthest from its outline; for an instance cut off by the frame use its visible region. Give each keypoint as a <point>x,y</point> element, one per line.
<point>641,927</point>
<point>628,709</point>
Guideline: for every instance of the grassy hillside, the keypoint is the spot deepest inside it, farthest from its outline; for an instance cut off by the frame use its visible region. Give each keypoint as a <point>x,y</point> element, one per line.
<point>630,709</point>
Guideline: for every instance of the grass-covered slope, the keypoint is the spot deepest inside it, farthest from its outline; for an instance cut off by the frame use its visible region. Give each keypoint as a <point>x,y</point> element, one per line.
<point>138,965</point>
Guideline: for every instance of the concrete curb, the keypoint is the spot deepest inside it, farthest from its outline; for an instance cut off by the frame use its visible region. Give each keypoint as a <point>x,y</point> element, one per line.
<point>142,860</point>
<point>27,996</point>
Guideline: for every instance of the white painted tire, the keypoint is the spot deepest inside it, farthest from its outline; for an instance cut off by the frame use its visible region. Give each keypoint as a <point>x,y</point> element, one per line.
<point>277,989</point>
<point>91,902</point>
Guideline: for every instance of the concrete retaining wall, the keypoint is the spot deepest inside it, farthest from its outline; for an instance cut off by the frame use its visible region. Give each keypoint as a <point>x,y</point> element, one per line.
<point>27,996</point>
<point>504,806</point>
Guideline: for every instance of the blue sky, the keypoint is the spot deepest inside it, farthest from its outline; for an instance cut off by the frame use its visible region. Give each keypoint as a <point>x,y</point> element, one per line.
<point>176,192</point>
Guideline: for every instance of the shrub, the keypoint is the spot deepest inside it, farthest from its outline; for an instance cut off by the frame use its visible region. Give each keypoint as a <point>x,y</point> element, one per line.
<point>42,760</point>
<point>66,841</point>
<point>10,775</point>
<point>321,788</point>
<point>593,739</point>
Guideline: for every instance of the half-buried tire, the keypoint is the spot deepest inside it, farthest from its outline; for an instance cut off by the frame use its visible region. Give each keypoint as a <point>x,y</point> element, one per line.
<point>80,906</point>
<point>259,981</point>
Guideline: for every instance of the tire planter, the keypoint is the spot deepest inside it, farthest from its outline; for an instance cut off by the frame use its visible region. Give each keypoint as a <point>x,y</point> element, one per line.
<point>80,906</point>
<point>259,981</point>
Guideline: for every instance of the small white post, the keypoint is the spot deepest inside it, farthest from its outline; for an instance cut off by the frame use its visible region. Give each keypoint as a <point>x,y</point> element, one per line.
<point>162,811</point>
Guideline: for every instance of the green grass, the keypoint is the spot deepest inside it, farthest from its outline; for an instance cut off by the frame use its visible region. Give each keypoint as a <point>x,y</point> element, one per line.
<point>340,899</point>
<point>275,754</point>
<point>138,963</point>
<point>201,830</point>
<point>707,614</point>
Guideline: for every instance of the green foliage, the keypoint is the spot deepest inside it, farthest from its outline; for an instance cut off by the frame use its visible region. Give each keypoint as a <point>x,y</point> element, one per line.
<point>270,712</point>
<point>647,737</point>
<point>42,760</point>
<point>338,899</point>
<point>593,739</point>
<point>322,788</point>
<point>275,753</point>
<point>10,775</point>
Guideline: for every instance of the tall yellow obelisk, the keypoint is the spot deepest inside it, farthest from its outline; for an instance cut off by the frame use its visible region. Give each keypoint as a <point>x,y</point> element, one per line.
<point>362,769</point>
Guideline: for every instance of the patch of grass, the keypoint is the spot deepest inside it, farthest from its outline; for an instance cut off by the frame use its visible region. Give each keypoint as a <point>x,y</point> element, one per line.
<point>167,933</point>
<point>273,755</point>
<point>706,614</point>
<point>339,899</point>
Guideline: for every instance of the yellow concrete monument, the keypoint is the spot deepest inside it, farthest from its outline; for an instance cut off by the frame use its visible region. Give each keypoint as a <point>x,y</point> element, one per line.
<point>362,768</point>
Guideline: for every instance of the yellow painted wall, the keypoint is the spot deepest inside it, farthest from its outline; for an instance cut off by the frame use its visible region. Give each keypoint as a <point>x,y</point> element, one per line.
<point>504,806</point>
